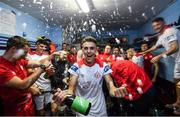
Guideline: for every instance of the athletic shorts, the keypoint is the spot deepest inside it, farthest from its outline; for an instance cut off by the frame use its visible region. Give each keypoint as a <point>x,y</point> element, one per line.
<point>42,100</point>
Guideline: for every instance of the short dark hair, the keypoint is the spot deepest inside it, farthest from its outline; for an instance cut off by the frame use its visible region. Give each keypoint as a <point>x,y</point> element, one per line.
<point>143,42</point>
<point>42,41</point>
<point>16,41</point>
<point>89,39</point>
<point>158,19</point>
<point>64,43</point>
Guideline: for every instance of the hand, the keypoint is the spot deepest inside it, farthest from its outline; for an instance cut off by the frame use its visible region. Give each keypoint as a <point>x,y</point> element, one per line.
<point>118,92</point>
<point>35,90</point>
<point>46,62</point>
<point>59,96</point>
<point>141,53</point>
<point>156,59</point>
<point>153,80</point>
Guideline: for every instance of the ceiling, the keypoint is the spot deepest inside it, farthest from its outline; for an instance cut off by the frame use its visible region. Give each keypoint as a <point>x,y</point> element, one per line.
<point>105,14</point>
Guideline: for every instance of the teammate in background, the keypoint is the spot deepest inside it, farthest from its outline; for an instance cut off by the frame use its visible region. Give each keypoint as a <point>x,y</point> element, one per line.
<point>169,38</point>
<point>86,80</point>
<point>106,56</point>
<point>138,85</point>
<point>151,69</point>
<point>72,56</point>
<point>42,101</point>
<point>134,57</point>
<point>15,82</point>
<point>117,54</point>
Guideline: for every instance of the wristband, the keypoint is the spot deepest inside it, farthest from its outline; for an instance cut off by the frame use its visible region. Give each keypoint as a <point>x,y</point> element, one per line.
<point>164,56</point>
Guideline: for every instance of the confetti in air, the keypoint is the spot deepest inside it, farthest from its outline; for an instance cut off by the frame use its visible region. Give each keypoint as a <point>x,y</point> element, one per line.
<point>130,9</point>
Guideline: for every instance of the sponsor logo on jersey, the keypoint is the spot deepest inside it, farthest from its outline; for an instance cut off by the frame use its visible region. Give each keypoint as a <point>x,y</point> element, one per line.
<point>97,75</point>
<point>106,68</point>
<point>74,68</point>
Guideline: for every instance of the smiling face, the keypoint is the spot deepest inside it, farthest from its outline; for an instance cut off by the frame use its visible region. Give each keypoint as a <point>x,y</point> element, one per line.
<point>116,51</point>
<point>158,26</point>
<point>41,48</point>
<point>144,47</point>
<point>89,51</point>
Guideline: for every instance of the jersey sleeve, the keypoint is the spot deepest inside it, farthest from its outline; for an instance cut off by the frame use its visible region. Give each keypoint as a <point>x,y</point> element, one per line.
<point>172,35</point>
<point>6,75</point>
<point>158,43</point>
<point>74,69</point>
<point>24,62</point>
<point>106,69</point>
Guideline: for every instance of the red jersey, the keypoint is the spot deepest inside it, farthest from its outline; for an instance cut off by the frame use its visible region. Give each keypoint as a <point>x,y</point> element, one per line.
<point>105,57</point>
<point>128,74</point>
<point>72,58</point>
<point>148,64</point>
<point>15,101</point>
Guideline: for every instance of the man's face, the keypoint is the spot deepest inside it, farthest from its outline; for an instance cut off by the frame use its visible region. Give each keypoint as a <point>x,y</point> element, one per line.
<point>107,49</point>
<point>158,26</point>
<point>89,51</point>
<point>64,46</point>
<point>73,50</point>
<point>116,51</point>
<point>41,48</point>
<point>144,47</point>
<point>21,52</point>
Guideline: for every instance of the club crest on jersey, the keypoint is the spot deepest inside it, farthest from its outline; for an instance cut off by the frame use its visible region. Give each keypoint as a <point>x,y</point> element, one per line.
<point>106,68</point>
<point>74,68</point>
<point>97,75</point>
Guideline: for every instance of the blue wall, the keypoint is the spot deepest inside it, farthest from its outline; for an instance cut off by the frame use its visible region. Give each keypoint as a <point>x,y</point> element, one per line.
<point>170,14</point>
<point>34,26</point>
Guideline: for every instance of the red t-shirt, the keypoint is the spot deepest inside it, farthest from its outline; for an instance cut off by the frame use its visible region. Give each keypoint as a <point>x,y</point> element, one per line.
<point>15,101</point>
<point>148,64</point>
<point>128,74</point>
<point>105,57</point>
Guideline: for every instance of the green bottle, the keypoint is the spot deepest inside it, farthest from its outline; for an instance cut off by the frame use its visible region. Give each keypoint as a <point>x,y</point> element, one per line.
<point>78,104</point>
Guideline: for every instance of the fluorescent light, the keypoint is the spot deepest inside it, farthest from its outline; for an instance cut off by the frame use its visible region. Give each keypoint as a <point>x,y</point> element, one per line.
<point>83,5</point>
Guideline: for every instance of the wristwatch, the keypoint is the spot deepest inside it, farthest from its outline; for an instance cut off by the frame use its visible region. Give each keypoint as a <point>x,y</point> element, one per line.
<point>42,66</point>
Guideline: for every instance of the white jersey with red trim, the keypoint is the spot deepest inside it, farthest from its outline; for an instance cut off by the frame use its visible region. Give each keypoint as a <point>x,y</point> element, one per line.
<point>41,82</point>
<point>170,34</point>
<point>89,85</point>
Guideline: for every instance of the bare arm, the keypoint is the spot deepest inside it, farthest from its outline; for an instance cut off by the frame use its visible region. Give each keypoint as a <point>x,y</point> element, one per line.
<point>174,47</point>
<point>113,91</point>
<point>153,48</point>
<point>156,69</point>
<point>72,84</point>
<point>16,82</point>
<point>109,81</point>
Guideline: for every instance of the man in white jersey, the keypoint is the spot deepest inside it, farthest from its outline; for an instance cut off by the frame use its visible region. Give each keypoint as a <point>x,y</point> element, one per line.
<point>43,83</point>
<point>169,38</point>
<point>86,80</point>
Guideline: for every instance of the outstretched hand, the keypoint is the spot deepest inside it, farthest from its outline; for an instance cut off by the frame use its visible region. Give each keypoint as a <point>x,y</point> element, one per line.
<point>118,92</point>
<point>59,96</point>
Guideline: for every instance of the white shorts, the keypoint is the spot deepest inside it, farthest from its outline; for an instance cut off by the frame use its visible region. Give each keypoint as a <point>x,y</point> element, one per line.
<point>42,100</point>
<point>177,70</point>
